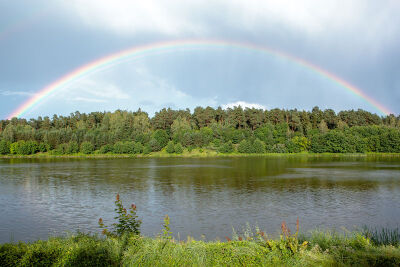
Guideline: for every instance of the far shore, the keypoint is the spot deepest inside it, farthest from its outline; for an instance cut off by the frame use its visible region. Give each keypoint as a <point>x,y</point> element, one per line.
<point>197,154</point>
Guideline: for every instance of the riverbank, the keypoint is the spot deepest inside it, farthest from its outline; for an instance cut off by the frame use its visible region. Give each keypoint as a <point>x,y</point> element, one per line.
<point>200,153</point>
<point>316,249</point>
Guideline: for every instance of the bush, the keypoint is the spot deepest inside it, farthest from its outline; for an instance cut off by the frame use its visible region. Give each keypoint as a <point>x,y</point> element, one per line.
<point>61,149</point>
<point>258,146</point>
<point>10,254</point>
<point>245,146</point>
<point>138,148</point>
<point>106,149</point>
<point>72,148</point>
<point>4,147</point>
<point>44,147</point>
<point>279,148</point>
<point>24,147</point>
<point>87,148</point>
<point>170,148</point>
<point>126,147</point>
<point>298,144</point>
<point>147,149</point>
<point>42,253</point>
<point>128,223</point>
<point>332,142</point>
<point>178,148</point>
<point>84,250</point>
<point>226,148</point>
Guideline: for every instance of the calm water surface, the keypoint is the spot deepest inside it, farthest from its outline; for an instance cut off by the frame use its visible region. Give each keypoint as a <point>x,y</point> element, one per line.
<point>206,197</point>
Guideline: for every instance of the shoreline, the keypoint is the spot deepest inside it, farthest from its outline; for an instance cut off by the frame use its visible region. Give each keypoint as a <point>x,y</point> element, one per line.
<point>205,154</point>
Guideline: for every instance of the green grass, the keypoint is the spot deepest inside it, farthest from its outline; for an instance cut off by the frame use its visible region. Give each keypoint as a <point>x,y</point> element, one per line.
<point>382,236</point>
<point>320,249</point>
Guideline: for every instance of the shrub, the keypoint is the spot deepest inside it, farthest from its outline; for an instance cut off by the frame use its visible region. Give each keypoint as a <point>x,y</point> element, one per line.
<point>178,148</point>
<point>279,148</point>
<point>138,148</point>
<point>298,144</point>
<point>72,147</point>
<point>333,142</point>
<point>42,253</point>
<point>85,250</point>
<point>10,254</point>
<point>126,147</point>
<point>4,147</point>
<point>245,146</point>
<point>44,147</point>
<point>226,147</point>
<point>258,146</point>
<point>147,149</point>
<point>24,147</point>
<point>127,222</point>
<point>61,149</point>
<point>87,148</point>
<point>106,149</point>
<point>170,148</point>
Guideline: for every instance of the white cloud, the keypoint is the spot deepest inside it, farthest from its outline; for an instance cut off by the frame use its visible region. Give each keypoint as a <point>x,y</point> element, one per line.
<point>159,93</point>
<point>366,19</point>
<point>126,16</point>
<point>96,90</point>
<point>243,105</point>
<point>87,99</point>
<point>20,93</point>
<point>141,89</point>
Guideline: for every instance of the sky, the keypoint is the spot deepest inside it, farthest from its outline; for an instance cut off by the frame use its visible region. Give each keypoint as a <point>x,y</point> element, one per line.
<point>44,40</point>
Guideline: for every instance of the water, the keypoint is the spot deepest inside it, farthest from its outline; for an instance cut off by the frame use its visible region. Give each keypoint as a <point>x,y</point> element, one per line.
<point>203,197</point>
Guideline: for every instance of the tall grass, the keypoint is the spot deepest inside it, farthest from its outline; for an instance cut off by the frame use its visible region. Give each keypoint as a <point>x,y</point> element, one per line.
<point>322,249</point>
<point>383,235</point>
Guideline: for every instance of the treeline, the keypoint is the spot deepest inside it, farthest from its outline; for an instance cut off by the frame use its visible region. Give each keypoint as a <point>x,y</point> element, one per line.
<point>226,131</point>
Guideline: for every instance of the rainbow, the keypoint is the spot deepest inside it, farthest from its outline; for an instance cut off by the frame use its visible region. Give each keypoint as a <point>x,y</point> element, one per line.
<point>168,46</point>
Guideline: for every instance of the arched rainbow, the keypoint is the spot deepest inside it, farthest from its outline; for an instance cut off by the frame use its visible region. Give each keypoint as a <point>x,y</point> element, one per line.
<point>137,51</point>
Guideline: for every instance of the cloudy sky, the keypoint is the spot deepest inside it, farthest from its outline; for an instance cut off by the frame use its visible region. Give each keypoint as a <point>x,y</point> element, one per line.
<point>42,41</point>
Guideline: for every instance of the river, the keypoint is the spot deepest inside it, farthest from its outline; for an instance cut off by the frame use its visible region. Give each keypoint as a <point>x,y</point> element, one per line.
<point>204,197</point>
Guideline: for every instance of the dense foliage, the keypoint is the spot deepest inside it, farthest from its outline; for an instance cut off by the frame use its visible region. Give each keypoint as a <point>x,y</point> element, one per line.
<point>225,131</point>
<point>317,249</point>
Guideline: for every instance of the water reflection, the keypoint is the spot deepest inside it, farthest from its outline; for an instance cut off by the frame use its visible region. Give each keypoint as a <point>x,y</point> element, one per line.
<point>202,196</point>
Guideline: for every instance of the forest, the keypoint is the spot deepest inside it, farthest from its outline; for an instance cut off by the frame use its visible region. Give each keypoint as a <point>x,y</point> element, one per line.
<point>232,130</point>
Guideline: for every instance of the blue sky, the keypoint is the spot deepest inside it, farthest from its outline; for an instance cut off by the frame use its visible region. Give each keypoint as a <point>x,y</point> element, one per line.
<point>40,41</point>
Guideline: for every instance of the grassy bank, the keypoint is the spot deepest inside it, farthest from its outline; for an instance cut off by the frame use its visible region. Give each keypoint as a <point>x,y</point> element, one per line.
<point>317,249</point>
<point>201,153</point>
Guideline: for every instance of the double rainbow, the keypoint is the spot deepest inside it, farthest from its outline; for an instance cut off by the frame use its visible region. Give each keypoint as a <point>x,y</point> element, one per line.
<point>160,47</point>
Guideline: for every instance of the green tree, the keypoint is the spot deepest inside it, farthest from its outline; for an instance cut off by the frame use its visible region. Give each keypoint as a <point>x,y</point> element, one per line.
<point>258,146</point>
<point>170,148</point>
<point>179,127</point>
<point>159,140</point>
<point>245,146</point>
<point>178,148</point>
